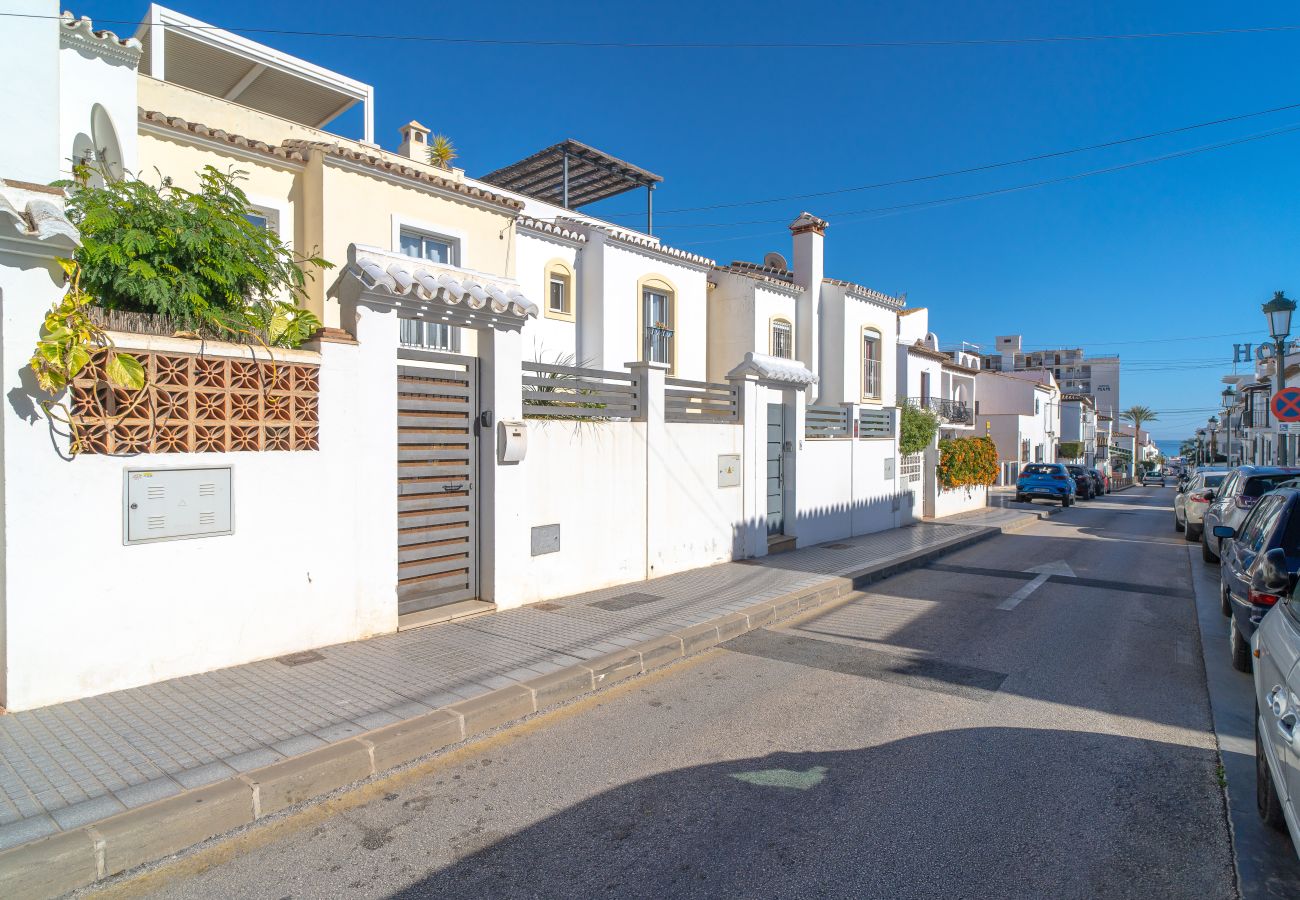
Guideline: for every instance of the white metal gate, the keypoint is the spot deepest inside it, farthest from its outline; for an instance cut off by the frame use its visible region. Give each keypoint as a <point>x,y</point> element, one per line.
<point>436,492</point>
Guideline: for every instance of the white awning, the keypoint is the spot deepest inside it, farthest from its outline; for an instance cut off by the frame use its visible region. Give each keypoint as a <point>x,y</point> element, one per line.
<point>774,369</point>
<point>424,288</point>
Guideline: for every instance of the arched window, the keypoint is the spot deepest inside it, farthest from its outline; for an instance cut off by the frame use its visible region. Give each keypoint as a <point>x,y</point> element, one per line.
<point>657,315</point>
<point>870,364</point>
<point>561,298</point>
<point>781,341</point>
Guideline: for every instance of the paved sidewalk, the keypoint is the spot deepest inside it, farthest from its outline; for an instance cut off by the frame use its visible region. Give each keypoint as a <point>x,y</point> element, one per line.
<point>70,765</point>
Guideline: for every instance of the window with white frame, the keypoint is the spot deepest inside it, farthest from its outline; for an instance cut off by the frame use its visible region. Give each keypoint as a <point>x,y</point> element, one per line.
<point>870,364</point>
<point>433,247</point>
<point>428,335</point>
<point>560,300</point>
<point>657,325</point>
<point>782,339</point>
<point>264,218</point>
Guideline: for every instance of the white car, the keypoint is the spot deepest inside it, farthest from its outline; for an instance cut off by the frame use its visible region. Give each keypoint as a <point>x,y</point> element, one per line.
<point>1277,706</point>
<point>1193,499</point>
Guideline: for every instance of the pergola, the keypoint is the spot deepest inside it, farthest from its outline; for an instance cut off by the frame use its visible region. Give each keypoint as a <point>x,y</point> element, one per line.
<point>571,174</point>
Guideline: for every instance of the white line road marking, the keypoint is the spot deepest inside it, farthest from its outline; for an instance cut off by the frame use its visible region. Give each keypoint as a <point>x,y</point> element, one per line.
<point>1045,571</point>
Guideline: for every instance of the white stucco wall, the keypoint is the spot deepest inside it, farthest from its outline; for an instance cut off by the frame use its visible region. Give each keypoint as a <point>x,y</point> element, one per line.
<point>949,503</point>
<point>546,338</point>
<point>703,519</point>
<point>29,91</point>
<point>841,490</point>
<point>842,321</point>
<point>287,579</point>
<point>87,81</point>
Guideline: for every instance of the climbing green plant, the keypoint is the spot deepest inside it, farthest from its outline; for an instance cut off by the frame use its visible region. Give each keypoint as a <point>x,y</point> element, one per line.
<point>1070,449</point>
<point>967,462</point>
<point>196,257</point>
<point>69,341</point>
<point>916,429</point>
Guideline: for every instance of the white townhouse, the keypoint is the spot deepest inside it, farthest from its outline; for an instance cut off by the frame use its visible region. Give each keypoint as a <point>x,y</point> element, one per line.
<point>1021,411</point>
<point>510,401</point>
<point>1079,426</point>
<point>933,379</point>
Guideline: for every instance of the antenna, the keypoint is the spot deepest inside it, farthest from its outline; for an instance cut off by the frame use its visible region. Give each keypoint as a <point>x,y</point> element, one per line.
<point>775,261</point>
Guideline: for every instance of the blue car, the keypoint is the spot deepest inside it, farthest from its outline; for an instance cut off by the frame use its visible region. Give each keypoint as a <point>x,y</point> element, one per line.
<point>1045,481</point>
<point>1260,561</point>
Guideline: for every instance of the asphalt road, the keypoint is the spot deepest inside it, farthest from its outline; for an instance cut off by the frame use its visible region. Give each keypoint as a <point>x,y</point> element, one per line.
<point>929,739</point>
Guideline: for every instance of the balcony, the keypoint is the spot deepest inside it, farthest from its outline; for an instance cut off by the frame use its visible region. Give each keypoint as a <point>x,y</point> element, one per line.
<point>952,412</point>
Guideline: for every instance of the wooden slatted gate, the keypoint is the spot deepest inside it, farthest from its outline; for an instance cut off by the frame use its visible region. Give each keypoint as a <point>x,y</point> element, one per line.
<point>436,449</point>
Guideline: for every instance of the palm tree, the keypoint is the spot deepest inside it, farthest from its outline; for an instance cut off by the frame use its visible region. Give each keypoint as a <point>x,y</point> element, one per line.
<point>1138,416</point>
<point>441,151</point>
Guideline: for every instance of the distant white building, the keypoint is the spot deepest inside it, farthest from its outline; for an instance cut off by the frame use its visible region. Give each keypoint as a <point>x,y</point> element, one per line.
<point>1075,373</point>
<point>1022,413</point>
<point>1079,426</point>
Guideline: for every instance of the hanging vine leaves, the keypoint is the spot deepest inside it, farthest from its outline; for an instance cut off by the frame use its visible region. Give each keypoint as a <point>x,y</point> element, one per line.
<point>968,462</point>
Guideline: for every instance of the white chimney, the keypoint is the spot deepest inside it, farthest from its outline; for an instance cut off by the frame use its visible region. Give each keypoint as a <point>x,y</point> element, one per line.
<point>809,269</point>
<point>415,142</point>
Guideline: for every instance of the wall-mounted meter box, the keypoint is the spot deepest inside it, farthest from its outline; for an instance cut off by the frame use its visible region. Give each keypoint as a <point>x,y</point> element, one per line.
<point>512,440</point>
<point>174,504</point>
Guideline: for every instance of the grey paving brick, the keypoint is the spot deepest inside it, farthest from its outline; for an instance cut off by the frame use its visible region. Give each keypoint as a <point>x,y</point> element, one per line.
<point>24,830</point>
<point>87,811</point>
<point>206,774</point>
<point>253,759</point>
<point>147,792</point>
<point>295,745</point>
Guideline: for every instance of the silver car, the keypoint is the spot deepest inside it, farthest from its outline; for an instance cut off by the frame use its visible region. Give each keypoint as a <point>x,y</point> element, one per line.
<point>1277,704</point>
<point>1193,498</point>
<point>1152,478</point>
<point>1235,498</point>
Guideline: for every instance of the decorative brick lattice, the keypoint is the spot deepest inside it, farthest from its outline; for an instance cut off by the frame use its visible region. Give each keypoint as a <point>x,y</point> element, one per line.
<point>200,404</point>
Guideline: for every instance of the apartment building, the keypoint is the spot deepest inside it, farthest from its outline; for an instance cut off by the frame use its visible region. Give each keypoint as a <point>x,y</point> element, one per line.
<point>1075,373</point>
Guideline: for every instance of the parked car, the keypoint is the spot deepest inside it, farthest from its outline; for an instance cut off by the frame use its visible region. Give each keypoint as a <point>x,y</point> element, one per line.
<point>1147,478</point>
<point>1235,498</point>
<point>1277,713</point>
<point>1260,561</point>
<point>1045,481</point>
<point>1084,487</point>
<point>1193,498</point>
<point>1102,478</point>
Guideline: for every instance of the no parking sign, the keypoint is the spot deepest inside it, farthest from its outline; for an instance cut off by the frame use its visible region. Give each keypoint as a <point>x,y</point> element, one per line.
<point>1286,405</point>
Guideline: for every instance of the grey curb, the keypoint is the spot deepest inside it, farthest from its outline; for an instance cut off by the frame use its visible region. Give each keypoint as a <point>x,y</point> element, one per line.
<point>62,862</point>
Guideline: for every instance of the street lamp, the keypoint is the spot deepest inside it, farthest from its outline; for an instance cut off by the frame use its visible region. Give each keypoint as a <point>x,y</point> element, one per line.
<point>1278,310</point>
<point>1212,423</point>
<point>1229,398</point>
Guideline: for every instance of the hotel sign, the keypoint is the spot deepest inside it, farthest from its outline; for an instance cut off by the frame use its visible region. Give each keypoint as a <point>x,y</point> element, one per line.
<point>1244,353</point>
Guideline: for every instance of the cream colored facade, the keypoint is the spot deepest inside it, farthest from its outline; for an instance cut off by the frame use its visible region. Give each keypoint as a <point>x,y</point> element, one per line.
<point>327,191</point>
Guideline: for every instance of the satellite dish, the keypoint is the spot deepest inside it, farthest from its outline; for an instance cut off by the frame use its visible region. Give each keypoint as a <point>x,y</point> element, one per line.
<point>775,261</point>
<point>107,148</point>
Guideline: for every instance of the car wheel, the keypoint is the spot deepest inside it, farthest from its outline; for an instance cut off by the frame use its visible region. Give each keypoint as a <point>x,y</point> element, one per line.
<point>1225,600</point>
<point>1241,658</point>
<point>1206,553</point>
<point>1020,498</point>
<point>1192,532</point>
<point>1178,523</point>
<point>1267,801</point>
<point>1065,501</point>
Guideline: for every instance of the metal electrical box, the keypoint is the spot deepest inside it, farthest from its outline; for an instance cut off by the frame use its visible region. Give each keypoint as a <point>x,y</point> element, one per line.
<point>512,440</point>
<point>174,504</point>
<point>728,470</point>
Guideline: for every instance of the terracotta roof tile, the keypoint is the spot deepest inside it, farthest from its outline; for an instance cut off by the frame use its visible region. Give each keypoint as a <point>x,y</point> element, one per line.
<point>868,293</point>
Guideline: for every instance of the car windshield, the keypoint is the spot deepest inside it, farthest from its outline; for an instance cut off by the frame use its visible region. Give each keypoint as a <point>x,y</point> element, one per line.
<point>1041,470</point>
<point>1259,485</point>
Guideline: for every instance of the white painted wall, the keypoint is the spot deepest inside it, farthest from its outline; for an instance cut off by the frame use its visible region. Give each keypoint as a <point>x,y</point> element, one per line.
<point>703,520</point>
<point>29,92</point>
<point>841,490</point>
<point>545,338</point>
<point>97,95</point>
<point>960,500</point>
<point>290,577</point>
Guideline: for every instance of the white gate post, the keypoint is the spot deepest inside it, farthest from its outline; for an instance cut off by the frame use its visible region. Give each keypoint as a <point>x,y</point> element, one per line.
<point>650,413</point>
<point>750,539</point>
<point>502,499</point>
<point>375,483</point>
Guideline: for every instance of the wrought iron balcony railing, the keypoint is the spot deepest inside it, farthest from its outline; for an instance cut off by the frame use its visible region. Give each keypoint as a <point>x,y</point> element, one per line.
<point>954,412</point>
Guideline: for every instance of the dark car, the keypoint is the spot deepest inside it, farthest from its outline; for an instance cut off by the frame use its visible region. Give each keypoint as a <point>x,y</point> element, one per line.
<point>1260,561</point>
<point>1084,487</point>
<point>1045,481</point>
<point>1102,479</point>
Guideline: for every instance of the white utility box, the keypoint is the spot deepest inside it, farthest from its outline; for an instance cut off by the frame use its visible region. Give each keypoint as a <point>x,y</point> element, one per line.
<point>512,440</point>
<point>173,504</point>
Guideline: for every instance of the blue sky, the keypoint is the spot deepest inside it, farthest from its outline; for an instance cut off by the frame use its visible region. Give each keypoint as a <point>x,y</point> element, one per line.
<point>1124,262</point>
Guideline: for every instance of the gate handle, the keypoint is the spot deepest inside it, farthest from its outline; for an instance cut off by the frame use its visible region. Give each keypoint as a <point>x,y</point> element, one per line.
<point>448,488</point>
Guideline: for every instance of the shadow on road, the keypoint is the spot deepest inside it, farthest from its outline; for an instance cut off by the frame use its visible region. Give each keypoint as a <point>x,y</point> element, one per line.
<point>986,812</point>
